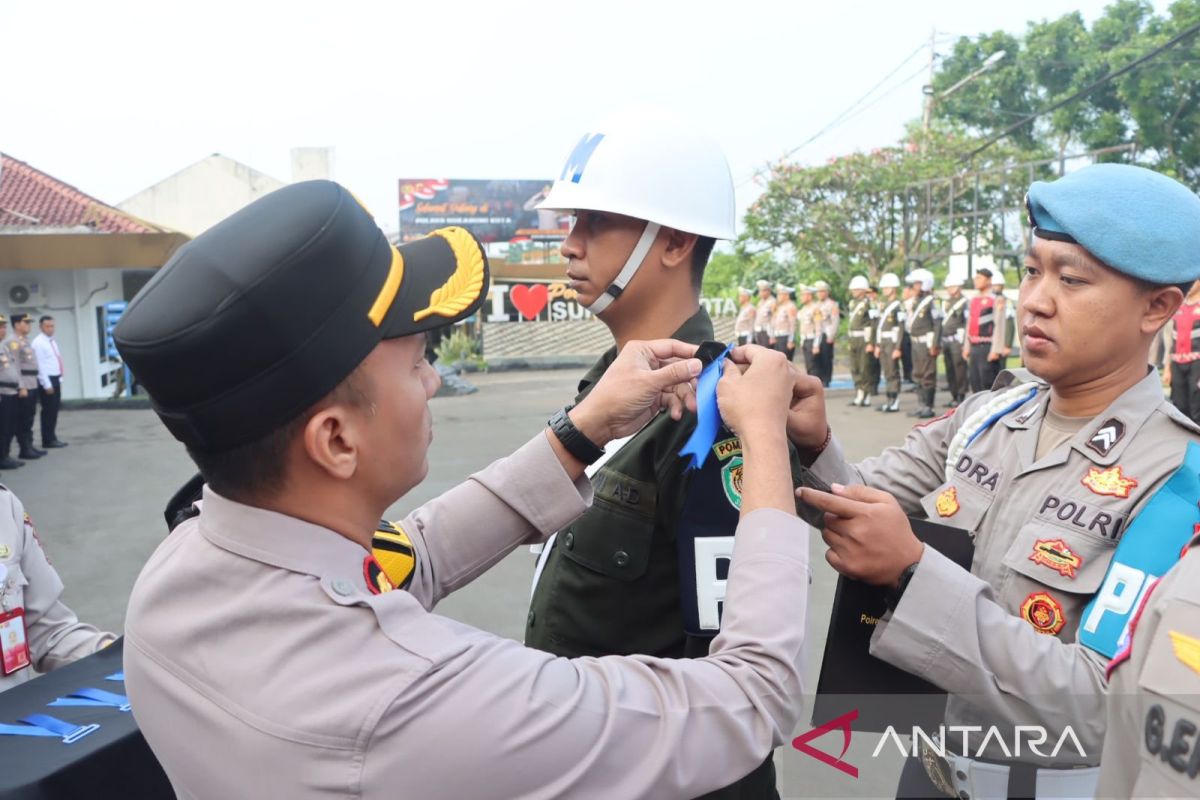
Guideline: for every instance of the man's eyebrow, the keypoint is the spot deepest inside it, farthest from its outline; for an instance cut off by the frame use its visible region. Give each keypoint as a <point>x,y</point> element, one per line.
<point>1073,257</point>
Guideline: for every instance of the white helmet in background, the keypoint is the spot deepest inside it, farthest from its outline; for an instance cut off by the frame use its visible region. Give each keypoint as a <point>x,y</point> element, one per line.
<point>889,281</point>
<point>953,280</point>
<point>922,276</point>
<point>859,282</point>
<point>648,164</point>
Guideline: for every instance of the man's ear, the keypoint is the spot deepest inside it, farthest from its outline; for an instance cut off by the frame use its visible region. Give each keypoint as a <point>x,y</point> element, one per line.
<point>679,248</point>
<point>1161,305</point>
<point>330,442</point>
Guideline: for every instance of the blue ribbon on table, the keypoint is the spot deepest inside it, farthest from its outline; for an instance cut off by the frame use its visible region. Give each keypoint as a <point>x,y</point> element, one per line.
<point>46,725</point>
<point>94,697</point>
<point>708,416</point>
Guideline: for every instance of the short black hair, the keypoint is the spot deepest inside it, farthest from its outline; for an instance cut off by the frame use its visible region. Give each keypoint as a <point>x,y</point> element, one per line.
<point>701,253</point>
<point>259,468</point>
<point>45,318</point>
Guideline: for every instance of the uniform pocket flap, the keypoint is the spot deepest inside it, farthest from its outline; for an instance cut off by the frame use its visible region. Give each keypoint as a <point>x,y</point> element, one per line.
<point>1071,561</point>
<point>615,543</point>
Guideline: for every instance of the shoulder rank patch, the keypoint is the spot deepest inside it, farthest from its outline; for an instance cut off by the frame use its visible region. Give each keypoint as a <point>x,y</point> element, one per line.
<point>1108,482</point>
<point>1106,436</point>
<point>5,551</point>
<point>1044,613</point>
<point>947,502</point>
<point>393,551</point>
<point>1055,554</point>
<point>731,479</point>
<point>1187,650</point>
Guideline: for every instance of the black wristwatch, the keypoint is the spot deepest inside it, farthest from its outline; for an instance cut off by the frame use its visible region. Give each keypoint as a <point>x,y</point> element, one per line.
<point>893,597</point>
<point>573,439</point>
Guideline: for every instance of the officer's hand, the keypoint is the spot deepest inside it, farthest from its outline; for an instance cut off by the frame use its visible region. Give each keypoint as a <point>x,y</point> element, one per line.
<point>993,356</point>
<point>934,351</point>
<point>791,345</point>
<point>817,350</point>
<point>806,424</point>
<point>896,354</point>
<point>755,390</point>
<point>49,390</point>
<point>22,393</point>
<point>645,378</point>
<point>1166,375</point>
<point>771,341</point>
<point>869,536</point>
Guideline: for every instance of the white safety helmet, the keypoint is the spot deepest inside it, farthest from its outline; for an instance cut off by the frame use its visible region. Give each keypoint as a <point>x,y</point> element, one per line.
<point>651,165</point>
<point>889,281</point>
<point>953,280</point>
<point>998,278</point>
<point>859,282</point>
<point>821,286</point>
<point>922,276</point>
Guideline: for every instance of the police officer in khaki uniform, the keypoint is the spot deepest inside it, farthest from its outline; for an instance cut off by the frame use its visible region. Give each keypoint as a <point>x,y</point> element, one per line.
<point>783,322</point>
<point>808,322</point>
<point>924,328</point>
<point>10,383</point>
<point>1074,478</point>
<point>763,313</point>
<point>21,351</point>
<point>954,331</point>
<point>828,316</point>
<point>861,329</point>
<point>287,619</point>
<point>743,326</point>
<point>887,340</point>
<point>1154,693</point>
<point>38,633</point>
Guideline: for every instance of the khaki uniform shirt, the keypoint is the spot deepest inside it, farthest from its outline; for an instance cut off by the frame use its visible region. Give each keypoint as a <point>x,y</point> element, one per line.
<point>55,635</point>
<point>744,324</point>
<point>783,323</point>
<point>809,324</point>
<point>260,665</point>
<point>954,325</point>
<point>829,317</point>
<point>20,349</point>
<point>762,315</point>
<point>1154,695</point>
<point>1005,635</point>
<point>10,373</point>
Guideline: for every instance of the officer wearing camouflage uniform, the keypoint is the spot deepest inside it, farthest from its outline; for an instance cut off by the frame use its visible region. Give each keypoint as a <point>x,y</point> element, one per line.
<point>20,349</point>
<point>887,340</point>
<point>861,329</point>
<point>924,327</point>
<point>954,330</point>
<point>1076,479</point>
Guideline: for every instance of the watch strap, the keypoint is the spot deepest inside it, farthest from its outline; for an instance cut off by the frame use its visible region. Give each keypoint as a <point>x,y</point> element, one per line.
<point>573,439</point>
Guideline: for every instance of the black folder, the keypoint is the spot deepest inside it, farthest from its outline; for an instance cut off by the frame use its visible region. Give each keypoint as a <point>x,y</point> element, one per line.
<point>852,679</point>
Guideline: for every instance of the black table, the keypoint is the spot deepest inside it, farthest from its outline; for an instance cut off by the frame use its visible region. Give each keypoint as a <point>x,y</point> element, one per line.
<point>114,761</point>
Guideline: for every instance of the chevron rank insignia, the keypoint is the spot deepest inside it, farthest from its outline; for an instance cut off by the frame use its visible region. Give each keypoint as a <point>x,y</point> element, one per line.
<point>1107,435</point>
<point>1187,650</point>
<point>1108,482</point>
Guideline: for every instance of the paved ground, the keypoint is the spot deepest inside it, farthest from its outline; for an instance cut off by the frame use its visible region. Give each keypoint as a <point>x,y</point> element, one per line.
<point>98,508</point>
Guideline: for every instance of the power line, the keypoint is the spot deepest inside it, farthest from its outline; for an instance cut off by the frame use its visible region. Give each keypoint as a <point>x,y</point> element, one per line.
<point>850,110</point>
<point>1085,90</point>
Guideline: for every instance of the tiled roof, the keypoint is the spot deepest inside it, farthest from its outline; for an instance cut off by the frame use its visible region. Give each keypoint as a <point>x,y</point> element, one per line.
<point>29,198</point>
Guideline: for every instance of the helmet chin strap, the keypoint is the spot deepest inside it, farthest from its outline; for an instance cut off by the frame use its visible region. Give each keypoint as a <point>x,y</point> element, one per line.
<point>628,271</point>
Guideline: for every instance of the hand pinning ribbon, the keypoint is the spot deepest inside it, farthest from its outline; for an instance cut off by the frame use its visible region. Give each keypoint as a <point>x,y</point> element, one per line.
<point>708,415</point>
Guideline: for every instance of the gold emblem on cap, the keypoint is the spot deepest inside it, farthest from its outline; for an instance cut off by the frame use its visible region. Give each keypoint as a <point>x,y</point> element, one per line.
<point>464,286</point>
<point>391,285</point>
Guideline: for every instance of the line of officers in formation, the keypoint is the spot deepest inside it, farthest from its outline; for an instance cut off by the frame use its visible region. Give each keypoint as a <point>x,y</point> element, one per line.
<point>894,329</point>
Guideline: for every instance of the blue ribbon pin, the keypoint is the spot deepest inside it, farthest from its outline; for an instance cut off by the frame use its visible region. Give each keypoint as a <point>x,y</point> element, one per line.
<point>708,415</point>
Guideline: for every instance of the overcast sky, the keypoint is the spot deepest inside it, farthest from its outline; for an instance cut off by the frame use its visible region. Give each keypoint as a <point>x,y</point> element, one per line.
<point>115,96</point>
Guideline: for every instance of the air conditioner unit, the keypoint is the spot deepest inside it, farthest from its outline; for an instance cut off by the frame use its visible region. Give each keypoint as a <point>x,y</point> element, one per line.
<point>30,294</point>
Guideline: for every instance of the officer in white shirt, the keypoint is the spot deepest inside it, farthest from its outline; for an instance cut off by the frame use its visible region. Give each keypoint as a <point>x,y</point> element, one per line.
<point>50,370</point>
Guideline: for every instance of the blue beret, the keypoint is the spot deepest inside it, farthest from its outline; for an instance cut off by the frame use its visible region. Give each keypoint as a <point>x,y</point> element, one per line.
<point>1133,219</point>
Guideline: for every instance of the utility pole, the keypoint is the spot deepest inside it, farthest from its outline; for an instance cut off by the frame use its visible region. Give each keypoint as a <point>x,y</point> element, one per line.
<point>927,89</point>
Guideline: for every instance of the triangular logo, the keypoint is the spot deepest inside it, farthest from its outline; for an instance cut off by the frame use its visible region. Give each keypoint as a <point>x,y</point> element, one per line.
<point>841,723</point>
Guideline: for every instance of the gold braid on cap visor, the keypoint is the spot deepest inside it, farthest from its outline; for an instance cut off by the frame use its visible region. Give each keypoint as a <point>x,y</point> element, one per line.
<point>464,286</point>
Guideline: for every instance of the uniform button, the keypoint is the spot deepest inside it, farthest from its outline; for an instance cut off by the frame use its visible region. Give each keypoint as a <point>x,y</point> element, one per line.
<point>530,618</point>
<point>962,776</point>
<point>963,795</point>
<point>343,588</point>
<point>621,558</point>
<point>569,541</point>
